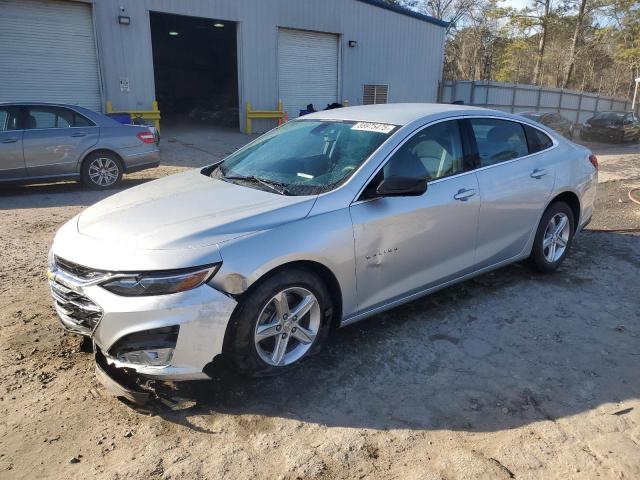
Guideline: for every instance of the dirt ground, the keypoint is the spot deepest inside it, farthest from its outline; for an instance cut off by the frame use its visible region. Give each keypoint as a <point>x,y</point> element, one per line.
<point>510,375</point>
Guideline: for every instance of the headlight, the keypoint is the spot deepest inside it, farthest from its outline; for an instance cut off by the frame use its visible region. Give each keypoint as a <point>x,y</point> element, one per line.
<point>159,283</point>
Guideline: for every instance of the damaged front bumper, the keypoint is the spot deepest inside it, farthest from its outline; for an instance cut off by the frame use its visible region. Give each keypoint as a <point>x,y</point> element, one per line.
<point>119,382</point>
<point>164,337</point>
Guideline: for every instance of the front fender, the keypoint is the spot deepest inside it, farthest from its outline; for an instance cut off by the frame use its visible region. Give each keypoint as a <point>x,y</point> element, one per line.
<point>326,238</point>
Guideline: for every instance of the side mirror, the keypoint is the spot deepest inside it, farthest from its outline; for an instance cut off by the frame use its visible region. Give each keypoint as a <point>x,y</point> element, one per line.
<point>402,187</point>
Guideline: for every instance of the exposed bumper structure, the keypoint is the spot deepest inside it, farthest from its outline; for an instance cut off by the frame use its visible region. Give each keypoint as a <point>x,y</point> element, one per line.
<point>118,385</point>
<point>199,317</point>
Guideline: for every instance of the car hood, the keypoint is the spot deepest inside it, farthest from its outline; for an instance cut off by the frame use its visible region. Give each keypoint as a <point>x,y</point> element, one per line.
<point>188,210</point>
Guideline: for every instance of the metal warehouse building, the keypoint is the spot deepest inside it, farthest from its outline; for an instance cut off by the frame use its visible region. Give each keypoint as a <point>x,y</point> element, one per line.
<point>203,60</point>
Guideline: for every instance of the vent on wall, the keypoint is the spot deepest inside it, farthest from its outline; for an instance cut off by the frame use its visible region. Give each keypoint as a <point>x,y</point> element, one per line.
<point>374,94</point>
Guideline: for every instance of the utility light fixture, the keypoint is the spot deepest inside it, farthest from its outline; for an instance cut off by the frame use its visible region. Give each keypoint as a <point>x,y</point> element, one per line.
<point>174,34</point>
<point>218,25</point>
<point>124,20</point>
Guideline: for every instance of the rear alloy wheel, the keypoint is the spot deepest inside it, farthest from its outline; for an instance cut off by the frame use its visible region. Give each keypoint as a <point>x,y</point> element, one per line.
<point>280,322</point>
<point>101,171</point>
<point>553,237</point>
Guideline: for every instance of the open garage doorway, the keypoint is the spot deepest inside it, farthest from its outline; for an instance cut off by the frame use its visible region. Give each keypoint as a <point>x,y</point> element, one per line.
<point>195,69</point>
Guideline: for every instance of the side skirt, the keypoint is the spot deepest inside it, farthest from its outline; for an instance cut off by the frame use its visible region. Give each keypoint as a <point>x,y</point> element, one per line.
<point>356,317</point>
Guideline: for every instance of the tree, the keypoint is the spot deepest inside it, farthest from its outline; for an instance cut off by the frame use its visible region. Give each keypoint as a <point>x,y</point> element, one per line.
<point>590,45</point>
<point>542,43</point>
<point>452,11</point>
<point>585,8</point>
<point>626,14</point>
<point>472,51</point>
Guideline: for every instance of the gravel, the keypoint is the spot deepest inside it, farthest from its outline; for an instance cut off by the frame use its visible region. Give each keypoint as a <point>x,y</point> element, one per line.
<point>509,375</point>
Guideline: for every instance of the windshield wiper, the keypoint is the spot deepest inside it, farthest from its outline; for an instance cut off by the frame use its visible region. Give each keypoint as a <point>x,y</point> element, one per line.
<point>271,184</point>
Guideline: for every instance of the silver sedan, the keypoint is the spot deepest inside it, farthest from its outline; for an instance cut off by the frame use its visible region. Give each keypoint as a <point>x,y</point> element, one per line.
<point>322,222</point>
<point>44,142</point>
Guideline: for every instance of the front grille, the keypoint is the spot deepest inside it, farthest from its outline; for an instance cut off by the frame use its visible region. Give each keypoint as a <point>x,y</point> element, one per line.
<point>78,271</point>
<point>77,312</point>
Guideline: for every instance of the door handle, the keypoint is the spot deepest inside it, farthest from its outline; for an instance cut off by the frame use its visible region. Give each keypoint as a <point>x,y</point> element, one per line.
<point>79,134</point>
<point>10,140</point>
<point>464,194</point>
<point>538,173</point>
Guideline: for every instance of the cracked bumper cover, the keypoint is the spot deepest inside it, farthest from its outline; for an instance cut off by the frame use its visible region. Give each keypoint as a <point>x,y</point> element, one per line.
<point>201,313</point>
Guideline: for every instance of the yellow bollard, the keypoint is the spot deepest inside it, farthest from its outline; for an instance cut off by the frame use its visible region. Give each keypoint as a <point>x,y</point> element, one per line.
<point>152,115</point>
<point>248,122</point>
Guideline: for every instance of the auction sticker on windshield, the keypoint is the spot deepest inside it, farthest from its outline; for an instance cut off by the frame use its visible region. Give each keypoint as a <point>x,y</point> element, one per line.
<point>373,127</point>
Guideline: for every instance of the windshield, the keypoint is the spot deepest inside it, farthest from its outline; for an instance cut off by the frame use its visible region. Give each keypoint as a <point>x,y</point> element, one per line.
<point>304,157</point>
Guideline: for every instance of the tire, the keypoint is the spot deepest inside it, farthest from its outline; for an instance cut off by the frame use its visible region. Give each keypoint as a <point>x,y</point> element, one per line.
<point>101,170</point>
<point>258,312</point>
<point>549,250</point>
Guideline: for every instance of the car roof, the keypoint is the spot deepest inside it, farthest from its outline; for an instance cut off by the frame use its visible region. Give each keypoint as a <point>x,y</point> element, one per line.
<point>96,117</point>
<point>47,104</point>
<point>401,113</point>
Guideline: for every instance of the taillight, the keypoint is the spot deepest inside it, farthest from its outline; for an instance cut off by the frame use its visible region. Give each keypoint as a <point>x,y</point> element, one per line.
<point>146,137</point>
<point>594,161</point>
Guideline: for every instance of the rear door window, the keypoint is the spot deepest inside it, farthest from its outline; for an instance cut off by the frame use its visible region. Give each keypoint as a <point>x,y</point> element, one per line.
<point>8,119</point>
<point>498,140</point>
<point>49,117</point>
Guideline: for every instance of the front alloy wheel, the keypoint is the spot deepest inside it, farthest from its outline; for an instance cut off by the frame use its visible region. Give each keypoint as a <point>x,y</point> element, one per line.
<point>279,322</point>
<point>287,326</point>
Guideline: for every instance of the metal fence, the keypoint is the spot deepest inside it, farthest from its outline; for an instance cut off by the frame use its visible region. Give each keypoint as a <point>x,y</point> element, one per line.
<point>515,97</point>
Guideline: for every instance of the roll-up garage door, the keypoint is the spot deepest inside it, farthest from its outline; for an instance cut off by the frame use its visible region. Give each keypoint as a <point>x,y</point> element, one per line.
<point>48,53</point>
<point>307,69</point>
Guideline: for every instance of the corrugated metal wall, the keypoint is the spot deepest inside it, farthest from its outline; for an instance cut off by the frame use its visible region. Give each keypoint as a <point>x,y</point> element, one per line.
<point>514,98</point>
<point>393,49</point>
<point>48,53</point>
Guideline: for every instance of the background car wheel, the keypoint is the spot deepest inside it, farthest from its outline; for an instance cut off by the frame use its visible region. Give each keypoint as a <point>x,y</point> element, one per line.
<point>553,238</point>
<point>279,323</point>
<point>101,170</point>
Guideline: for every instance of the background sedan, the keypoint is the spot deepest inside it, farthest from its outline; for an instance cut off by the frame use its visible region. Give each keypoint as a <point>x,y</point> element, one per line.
<point>44,142</point>
<point>613,126</point>
<point>554,121</point>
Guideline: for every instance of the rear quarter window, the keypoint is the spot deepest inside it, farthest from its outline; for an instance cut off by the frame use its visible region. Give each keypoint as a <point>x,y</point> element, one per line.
<point>81,121</point>
<point>537,140</point>
<point>499,140</point>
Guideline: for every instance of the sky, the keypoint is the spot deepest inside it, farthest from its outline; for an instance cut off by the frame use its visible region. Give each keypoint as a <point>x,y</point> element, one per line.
<point>515,3</point>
